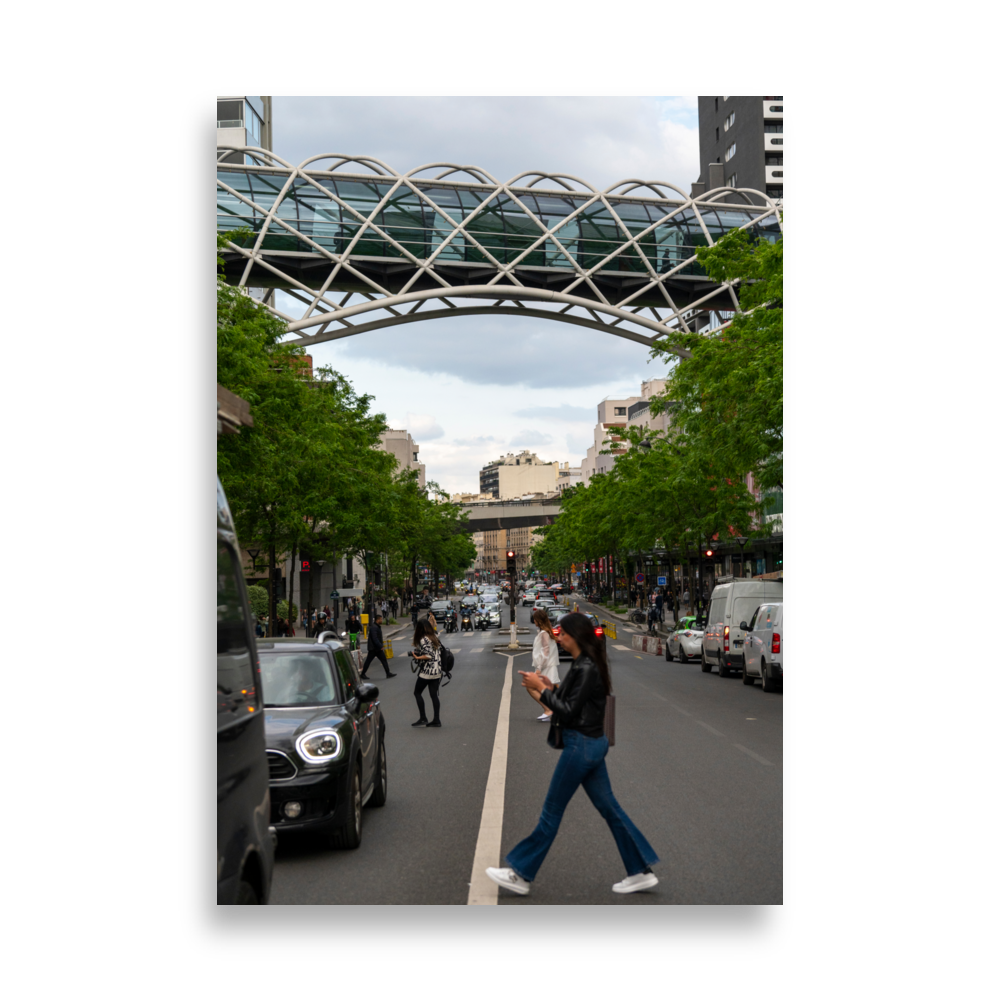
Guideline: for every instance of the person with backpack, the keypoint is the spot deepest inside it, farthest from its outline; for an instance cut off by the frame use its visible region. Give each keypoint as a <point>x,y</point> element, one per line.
<point>578,707</point>
<point>427,666</point>
<point>353,627</point>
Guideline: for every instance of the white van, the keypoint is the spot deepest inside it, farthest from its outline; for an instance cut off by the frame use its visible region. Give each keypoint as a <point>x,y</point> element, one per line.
<point>762,652</point>
<point>731,604</point>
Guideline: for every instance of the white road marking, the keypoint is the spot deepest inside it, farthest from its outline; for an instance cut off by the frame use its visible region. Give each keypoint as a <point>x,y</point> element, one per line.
<point>709,728</point>
<point>756,757</point>
<point>483,891</point>
<point>628,649</point>
<point>479,649</point>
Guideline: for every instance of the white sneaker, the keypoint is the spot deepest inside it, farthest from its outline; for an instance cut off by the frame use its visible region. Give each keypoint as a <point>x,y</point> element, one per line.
<point>509,879</point>
<point>543,718</point>
<point>635,883</point>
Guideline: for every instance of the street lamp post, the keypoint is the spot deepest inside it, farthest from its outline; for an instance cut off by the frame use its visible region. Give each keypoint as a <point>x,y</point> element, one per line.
<point>741,540</point>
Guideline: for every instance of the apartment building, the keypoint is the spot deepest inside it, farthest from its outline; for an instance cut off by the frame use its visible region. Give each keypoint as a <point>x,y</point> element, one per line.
<point>406,451</point>
<point>512,476</point>
<point>741,144</point>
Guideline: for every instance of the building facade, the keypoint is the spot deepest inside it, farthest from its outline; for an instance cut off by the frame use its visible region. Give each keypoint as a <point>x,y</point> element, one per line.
<point>741,144</point>
<point>511,476</point>
<point>243,121</point>
<point>612,416</point>
<point>568,476</point>
<point>406,451</point>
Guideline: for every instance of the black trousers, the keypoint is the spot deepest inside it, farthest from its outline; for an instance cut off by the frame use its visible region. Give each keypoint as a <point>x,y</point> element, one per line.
<point>375,654</point>
<point>432,687</point>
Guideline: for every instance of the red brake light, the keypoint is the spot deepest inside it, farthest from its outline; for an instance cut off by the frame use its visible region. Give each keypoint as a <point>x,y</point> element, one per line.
<point>556,629</point>
<point>725,640</point>
<point>775,642</point>
<point>598,631</point>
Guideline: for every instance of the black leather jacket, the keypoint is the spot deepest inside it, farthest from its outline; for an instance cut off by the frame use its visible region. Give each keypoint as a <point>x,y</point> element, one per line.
<point>375,643</point>
<point>578,702</point>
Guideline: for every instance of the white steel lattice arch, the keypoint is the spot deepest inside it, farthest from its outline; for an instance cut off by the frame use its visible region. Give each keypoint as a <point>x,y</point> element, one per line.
<point>500,287</point>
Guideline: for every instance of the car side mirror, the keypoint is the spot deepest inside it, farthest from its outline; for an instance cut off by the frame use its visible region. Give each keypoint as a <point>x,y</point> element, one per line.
<point>367,692</point>
<point>744,626</point>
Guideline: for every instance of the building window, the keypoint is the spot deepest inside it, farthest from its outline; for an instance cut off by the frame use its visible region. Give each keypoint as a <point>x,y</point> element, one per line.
<point>776,108</point>
<point>774,126</point>
<point>774,159</point>
<point>731,120</point>
<point>716,104</point>
<point>619,411</point>
<point>731,152</point>
<point>415,459</point>
<point>774,191</point>
<point>732,181</point>
<point>773,98</point>
<point>716,134</point>
<point>778,173</point>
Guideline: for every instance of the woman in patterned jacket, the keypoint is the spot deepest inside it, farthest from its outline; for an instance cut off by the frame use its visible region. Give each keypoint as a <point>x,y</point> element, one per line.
<point>427,663</point>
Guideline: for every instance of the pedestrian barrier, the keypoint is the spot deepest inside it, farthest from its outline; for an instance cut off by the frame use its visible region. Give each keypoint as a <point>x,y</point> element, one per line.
<point>610,629</point>
<point>388,649</point>
<point>648,644</point>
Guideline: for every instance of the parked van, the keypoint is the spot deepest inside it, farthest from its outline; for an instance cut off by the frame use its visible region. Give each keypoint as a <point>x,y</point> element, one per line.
<point>244,839</point>
<point>731,604</point>
<point>762,652</point>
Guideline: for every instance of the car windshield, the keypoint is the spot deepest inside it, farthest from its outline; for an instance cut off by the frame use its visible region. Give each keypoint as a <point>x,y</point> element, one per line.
<point>440,606</point>
<point>301,678</point>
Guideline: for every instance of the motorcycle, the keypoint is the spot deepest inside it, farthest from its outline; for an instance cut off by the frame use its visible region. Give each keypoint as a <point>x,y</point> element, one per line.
<point>449,625</point>
<point>482,622</point>
<point>467,625</point>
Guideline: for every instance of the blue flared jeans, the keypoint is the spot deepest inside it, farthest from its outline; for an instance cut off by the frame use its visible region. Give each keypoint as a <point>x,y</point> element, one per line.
<point>581,762</point>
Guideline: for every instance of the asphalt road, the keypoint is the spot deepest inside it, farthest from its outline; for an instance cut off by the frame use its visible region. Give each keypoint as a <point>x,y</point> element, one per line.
<point>697,765</point>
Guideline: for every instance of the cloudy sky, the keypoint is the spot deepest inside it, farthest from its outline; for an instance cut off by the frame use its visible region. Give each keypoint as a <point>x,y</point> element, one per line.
<point>476,387</point>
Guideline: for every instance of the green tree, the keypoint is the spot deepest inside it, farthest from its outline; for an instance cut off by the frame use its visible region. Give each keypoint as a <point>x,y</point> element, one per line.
<point>727,397</point>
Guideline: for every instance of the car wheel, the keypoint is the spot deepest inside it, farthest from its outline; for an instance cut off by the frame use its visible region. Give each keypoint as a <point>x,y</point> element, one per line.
<point>348,836</point>
<point>246,895</point>
<point>681,655</point>
<point>766,683</point>
<point>723,669</point>
<point>381,777</point>
<point>706,667</point>
<point>748,679</point>
<point>667,653</point>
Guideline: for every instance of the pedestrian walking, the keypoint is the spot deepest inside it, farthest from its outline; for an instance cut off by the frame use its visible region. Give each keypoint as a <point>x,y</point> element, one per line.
<point>427,663</point>
<point>414,613</point>
<point>545,653</point>
<point>376,649</point>
<point>578,707</point>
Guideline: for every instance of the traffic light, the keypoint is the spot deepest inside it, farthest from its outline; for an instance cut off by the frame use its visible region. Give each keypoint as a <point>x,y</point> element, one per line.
<point>511,561</point>
<point>709,553</point>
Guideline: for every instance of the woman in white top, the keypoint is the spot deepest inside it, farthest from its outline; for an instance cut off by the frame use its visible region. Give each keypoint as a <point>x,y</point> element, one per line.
<point>545,653</point>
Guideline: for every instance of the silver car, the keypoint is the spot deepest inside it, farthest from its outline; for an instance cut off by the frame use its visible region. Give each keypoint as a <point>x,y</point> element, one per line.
<point>493,614</point>
<point>685,641</point>
<point>762,652</point>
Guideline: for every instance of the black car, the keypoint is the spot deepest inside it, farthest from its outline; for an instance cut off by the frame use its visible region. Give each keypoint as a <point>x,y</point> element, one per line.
<point>245,840</point>
<point>443,611</point>
<point>325,739</point>
<point>556,613</point>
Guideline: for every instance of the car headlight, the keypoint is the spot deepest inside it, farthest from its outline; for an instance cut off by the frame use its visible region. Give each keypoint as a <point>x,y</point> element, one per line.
<point>319,745</point>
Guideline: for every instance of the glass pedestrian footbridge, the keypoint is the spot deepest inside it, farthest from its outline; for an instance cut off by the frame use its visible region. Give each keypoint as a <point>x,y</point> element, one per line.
<point>356,246</point>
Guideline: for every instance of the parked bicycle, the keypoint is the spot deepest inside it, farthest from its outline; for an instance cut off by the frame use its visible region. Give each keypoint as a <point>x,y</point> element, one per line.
<point>636,616</point>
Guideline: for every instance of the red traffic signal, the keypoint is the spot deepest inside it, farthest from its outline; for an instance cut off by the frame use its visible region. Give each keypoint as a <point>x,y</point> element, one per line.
<point>510,554</point>
<point>708,552</point>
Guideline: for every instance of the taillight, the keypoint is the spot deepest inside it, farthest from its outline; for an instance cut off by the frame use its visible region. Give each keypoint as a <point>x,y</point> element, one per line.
<point>598,631</point>
<point>556,629</point>
<point>725,640</point>
<point>775,642</point>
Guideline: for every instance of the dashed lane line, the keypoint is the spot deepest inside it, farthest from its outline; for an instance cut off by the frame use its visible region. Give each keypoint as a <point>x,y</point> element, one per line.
<point>482,890</point>
<point>627,649</point>
<point>479,649</point>
<point>756,757</point>
<point>709,728</point>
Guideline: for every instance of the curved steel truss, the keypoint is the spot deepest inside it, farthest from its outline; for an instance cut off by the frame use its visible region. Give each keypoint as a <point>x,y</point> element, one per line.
<point>364,250</point>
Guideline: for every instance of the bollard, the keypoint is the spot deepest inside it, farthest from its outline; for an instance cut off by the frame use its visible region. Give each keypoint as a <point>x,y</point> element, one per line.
<point>388,649</point>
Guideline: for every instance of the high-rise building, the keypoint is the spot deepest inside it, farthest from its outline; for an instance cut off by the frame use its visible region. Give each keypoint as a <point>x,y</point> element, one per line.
<point>612,416</point>
<point>406,451</point>
<point>741,142</point>
<point>512,476</point>
<point>243,121</point>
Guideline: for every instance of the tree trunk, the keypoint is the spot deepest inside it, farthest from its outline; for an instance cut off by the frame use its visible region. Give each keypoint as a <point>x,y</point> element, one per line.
<point>272,600</point>
<point>291,584</point>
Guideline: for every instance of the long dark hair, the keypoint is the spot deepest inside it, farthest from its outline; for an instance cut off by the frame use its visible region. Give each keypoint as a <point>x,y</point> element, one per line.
<point>425,630</point>
<point>581,629</point>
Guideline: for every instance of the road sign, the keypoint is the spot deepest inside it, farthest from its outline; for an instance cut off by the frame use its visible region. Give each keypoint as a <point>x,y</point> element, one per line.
<point>640,577</point>
<point>661,581</point>
<point>334,595</point>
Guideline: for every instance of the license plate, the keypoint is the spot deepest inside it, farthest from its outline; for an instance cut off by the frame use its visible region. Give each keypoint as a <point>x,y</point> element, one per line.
<point>738,642</point>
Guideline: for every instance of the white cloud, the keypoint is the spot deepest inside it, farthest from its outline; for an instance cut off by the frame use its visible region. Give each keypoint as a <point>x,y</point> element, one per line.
<point>422,427</point>
<point>530,439</point>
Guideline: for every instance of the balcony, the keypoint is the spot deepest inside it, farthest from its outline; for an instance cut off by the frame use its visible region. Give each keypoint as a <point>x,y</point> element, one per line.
<point>774,143</point>
<point>774,175</point>
<point>770,112</point>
